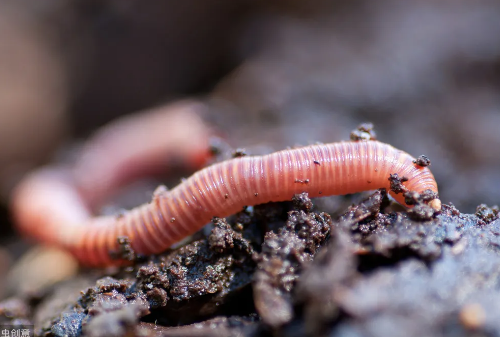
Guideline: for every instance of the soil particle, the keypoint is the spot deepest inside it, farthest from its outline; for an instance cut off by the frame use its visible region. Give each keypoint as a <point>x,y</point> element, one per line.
<point>283,257</point>
<point>239,152</point>
<point>487,214</point>
<point>397,183</point>
<point>370,207</point>
<point>422,161</point>
<point>154,284</point>
<point>125,251</point>
<point>301,202</point>
<point>302,181</point>
<point>420,210</point>
<point>364,131</point>
<point>414,198</point>
<point>223,239</point>
<point>222,263</point>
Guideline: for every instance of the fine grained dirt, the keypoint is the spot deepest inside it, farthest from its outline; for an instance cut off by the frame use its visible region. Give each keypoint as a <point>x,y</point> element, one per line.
<point>288,270</point>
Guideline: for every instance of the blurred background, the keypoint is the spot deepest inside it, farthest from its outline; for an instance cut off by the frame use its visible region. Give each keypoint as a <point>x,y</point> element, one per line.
<point>272,74</point>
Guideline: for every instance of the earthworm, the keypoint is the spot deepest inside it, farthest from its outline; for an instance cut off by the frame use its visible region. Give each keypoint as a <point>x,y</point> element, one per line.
<point>142,144</point>
<point>218,190</point>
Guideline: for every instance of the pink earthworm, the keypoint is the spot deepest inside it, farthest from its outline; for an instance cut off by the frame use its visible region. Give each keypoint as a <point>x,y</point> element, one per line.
<point>139,145</point>
<point>219,190</point>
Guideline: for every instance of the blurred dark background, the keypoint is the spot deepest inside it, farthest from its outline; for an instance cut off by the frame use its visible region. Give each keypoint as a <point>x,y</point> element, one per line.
<point>274,74</point>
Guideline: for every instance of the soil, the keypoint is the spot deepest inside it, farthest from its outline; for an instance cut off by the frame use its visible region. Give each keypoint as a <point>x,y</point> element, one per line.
<point>371,272</point>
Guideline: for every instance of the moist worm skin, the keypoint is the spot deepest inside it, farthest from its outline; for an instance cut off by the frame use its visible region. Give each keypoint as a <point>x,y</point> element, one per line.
<point>220,190</point>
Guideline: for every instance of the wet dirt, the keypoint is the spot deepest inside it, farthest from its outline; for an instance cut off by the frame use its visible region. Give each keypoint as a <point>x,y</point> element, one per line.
<point>370,272</point>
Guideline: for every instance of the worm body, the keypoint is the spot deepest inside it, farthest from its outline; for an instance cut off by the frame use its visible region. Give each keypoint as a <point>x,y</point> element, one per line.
<point>141,144</point>
<point>218,190</point>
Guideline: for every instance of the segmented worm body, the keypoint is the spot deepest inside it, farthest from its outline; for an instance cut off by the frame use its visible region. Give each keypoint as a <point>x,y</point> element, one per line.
<point>221,190</point>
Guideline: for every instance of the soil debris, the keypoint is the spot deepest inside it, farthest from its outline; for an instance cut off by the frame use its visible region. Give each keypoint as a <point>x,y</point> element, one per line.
<point>421,209</point>
<point>487,214</point>
<point>423,161</point>
<point>284,255</point>
<point>239,152</point>
<point>192,283</point>
<point>284,269</point>
<point>397,183</point>
<point>125,251</point>
<point>363,132</point>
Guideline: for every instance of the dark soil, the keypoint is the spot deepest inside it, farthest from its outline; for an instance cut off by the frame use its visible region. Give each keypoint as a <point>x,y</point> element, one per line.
<point>372,272</point>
